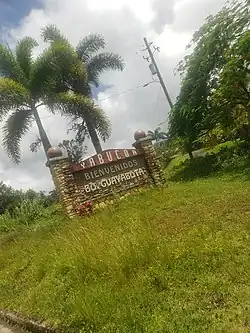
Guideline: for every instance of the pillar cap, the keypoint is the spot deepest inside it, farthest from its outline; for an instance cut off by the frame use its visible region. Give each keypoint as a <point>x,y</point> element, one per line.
<point>139,134</point>
<point>54,152</point>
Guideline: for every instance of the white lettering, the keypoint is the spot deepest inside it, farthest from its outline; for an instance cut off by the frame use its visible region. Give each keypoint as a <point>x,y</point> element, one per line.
<point>108,182</point>
<point>116,179</point>
<point>109,156</point>
<point>107,171</point>
<point>132,174</point>
<point>113,180</point>
<point>93,186</point>
<point>117,154</point>
<point>87,176</point>
<point>134,151</point>
<point>130,164</point>
<point>92,162</point>
<point>123,177</point>
<point>100,158</point>
<point>135,163</point>
<point>82,164</point>
<point>126,153</point>
<point>87,188</point>
<point>102,172</point>
<point>127,175</point>
<point>104,183</point>
<point>125,165</point>
<point>96,174</point>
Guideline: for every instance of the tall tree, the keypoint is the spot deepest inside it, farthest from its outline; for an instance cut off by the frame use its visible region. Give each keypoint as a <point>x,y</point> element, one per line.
<point>234,84</point>
<point>201,71</point>
<point>158,135</point>
<point>20,94</point>
<point>94,122</point>
<point>26,84</point>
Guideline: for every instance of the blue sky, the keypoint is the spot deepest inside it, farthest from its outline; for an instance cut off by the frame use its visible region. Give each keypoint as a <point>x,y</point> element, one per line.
<point>13,11</point>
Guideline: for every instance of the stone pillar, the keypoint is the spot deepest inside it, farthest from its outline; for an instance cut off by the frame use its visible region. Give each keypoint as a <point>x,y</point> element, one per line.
<point>144,144</point>
<point>64,181</point>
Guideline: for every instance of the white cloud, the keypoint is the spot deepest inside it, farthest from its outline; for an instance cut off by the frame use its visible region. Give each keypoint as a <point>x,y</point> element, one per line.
<point>123,23</point>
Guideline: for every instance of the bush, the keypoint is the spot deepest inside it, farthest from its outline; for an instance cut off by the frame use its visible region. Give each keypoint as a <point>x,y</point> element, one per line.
<point>31,213</point>
<point>166,150</point>
<point>7,223</point>
<point>11,198</point>
<point>228,157</point>
<point>28,211</point>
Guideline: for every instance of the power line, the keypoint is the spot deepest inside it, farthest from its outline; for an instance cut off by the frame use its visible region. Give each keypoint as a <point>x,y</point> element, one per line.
<point>115,95</point>
<point>162,123</point>
<point>126,91</point>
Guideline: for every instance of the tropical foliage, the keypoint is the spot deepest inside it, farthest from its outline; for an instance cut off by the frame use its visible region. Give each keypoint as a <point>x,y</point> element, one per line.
<point>75,150</point>
<point>157,135</point>
<point>73,93</point>
<point>27,83</point>
<point>11,198</point>
<point>215,79</point>
<point>22,87</point>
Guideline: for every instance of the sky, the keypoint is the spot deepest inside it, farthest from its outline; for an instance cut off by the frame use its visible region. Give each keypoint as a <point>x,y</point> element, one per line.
<point>169,24</point>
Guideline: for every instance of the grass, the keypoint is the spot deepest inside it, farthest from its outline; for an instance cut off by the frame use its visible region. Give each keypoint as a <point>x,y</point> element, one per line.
<point>174,259</point>
<point>229,159</point>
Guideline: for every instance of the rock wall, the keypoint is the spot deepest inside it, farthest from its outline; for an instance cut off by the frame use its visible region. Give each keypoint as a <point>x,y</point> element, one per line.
<point>104,182</point>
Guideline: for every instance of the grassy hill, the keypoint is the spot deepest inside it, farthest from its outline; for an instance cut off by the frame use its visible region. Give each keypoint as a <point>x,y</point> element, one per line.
<point>174,259</point>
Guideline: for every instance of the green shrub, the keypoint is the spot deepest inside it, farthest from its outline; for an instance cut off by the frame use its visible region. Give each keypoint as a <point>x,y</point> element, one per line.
<point>11,198</point>
<point>166,150</point>
<point>7,223</point>
<point>231,157</point>
<point>28,212</point>
<point>31,214</point>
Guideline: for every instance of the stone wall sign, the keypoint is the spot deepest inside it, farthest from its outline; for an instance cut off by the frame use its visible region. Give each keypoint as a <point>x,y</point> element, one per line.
<point>105,157</point>
<point>111,171</point>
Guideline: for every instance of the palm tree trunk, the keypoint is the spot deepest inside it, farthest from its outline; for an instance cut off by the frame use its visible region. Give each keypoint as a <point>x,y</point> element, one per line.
<point>190,154</point>
<point>43,135</point>
<point>189,148</point>
<point>248,115</point>
<point>93,136</point>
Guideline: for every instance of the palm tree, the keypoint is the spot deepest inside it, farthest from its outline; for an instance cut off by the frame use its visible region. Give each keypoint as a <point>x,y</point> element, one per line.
<point>26,84</point>
<point>157,135</point>
<point>93,120</point>
<point>20,94</point>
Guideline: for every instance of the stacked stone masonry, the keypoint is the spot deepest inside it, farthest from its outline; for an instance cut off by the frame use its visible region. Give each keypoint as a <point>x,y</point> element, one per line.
<point>72,191</point>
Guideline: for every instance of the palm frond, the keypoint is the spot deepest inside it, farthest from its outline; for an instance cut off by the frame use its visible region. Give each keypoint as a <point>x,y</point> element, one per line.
<point>12,96</point>
<point>101,63</point>
<point>52,34</point>
<point>24,50</point>
<point>57,69</point>
<point>101,123</point>
<point>15,127</point>
<point>89,45</point>
<point>9,68</point>
<point>80,107</point>
<point>151,134</point>
<point>73,105</point>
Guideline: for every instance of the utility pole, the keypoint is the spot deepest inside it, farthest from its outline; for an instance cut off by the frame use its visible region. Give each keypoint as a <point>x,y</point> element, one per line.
<point>151,55</point>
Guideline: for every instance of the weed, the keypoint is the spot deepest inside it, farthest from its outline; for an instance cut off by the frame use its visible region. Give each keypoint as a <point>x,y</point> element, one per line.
<point>174,259</point>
